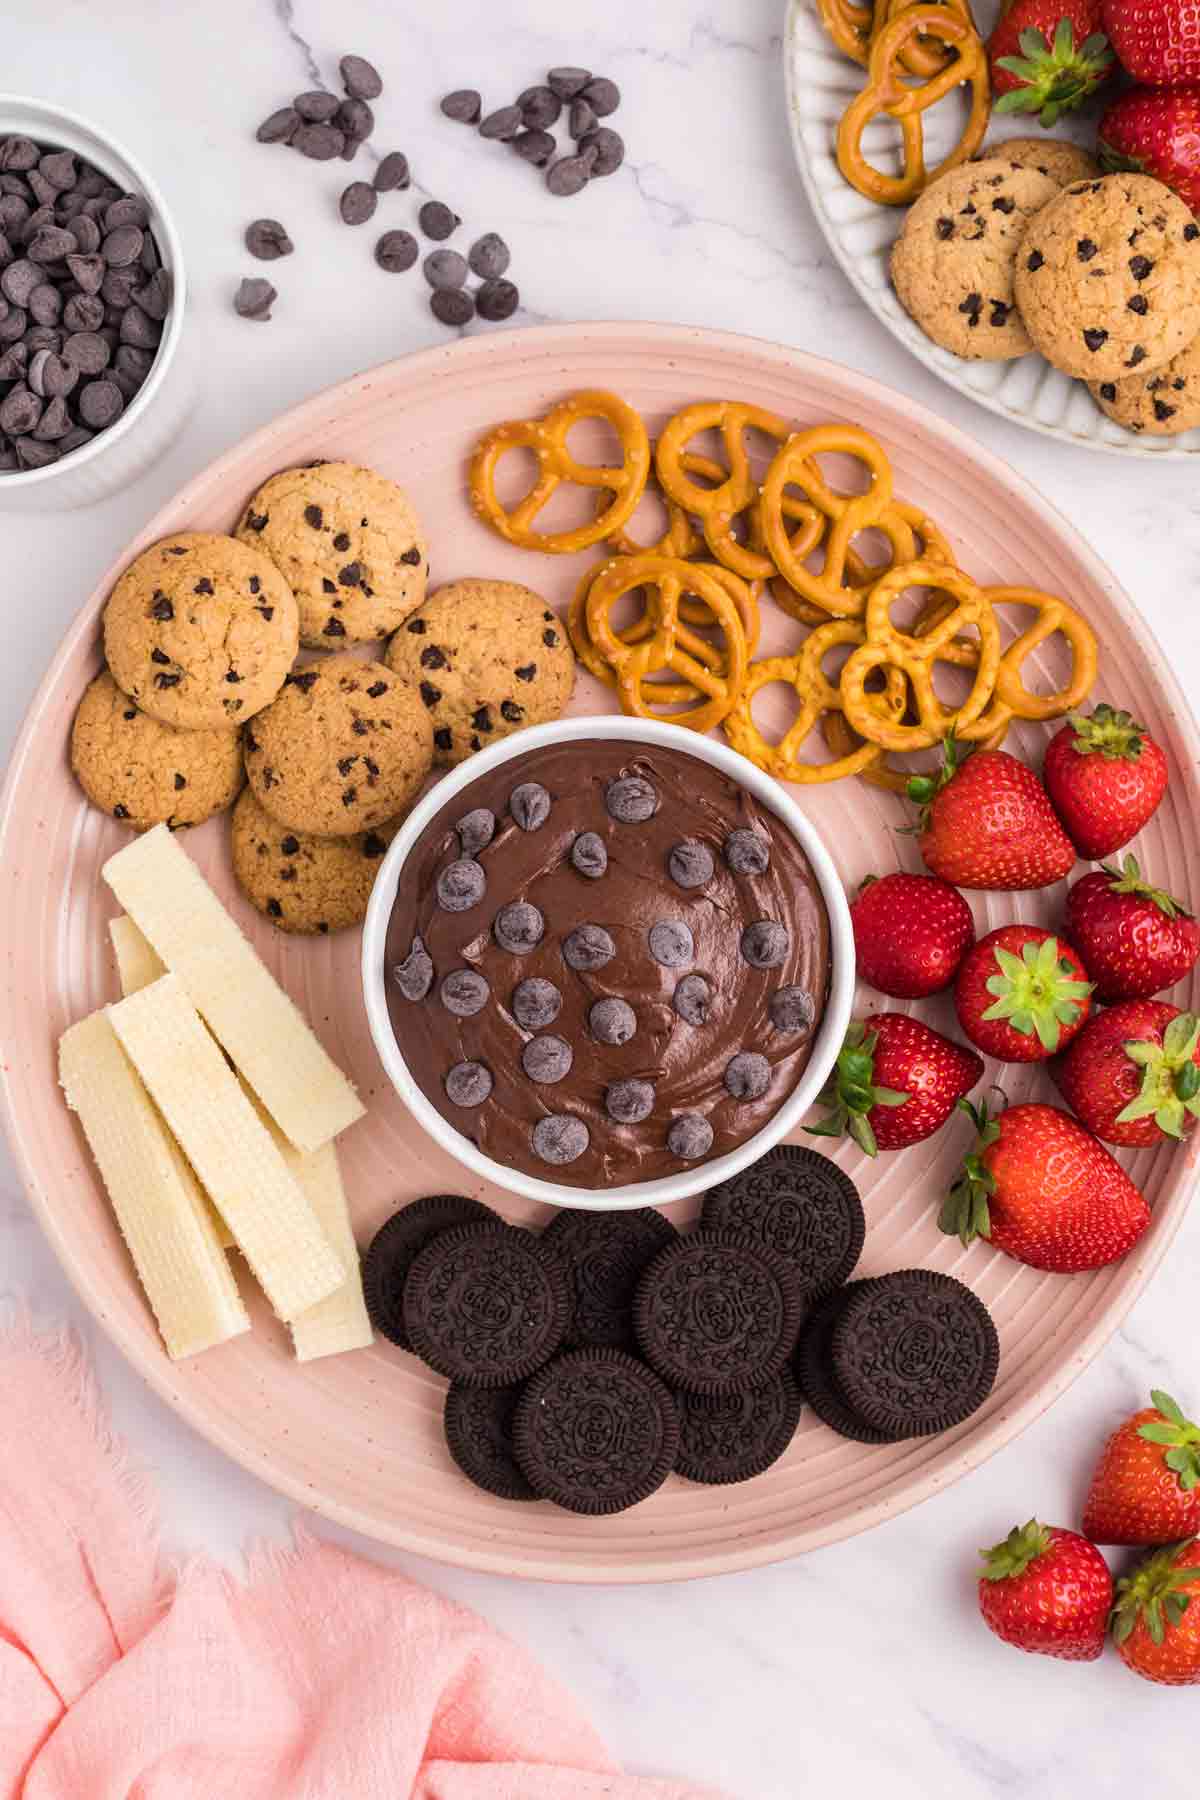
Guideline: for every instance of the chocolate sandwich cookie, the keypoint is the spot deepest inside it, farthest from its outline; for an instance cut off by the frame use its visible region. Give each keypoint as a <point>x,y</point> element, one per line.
<point>799,1204</point>
<point>596,1431</point>
<point>732,1437</point>
<point>486,1305</point>
<point>717,1314</point>
<point>915,1352</point>
<point>815,1373</point>
<point>605,1255</point>
<point>395,1248</point>
<point>479,1427</point>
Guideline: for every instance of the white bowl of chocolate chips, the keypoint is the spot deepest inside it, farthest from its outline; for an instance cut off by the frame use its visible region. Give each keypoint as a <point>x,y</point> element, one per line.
<point>607,963</point>
<point>92,297</point>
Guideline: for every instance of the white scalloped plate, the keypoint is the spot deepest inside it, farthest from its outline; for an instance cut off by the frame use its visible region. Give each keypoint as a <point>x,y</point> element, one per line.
<point>821,83</point>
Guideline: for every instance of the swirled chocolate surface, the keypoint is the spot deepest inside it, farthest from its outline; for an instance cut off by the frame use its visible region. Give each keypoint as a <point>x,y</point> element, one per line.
<point>634,932</point>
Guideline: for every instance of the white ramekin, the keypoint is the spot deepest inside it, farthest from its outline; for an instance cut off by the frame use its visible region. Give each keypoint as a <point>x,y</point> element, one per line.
<point>156,414</point>
<point>829,1036</point>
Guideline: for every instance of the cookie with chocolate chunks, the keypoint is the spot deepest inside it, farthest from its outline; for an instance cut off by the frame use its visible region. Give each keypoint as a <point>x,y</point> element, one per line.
<point>717,1314</point>
<point>915,1352</point>
<point>732,1437</point>
<point>799,1204</point>
<point>396,1246</point>
<point>487,657</point>
<point>486,1305</point>
<point>146,773</point>
<point>303,883</point>
<point>596,1431</point>
<point>605,1255</point>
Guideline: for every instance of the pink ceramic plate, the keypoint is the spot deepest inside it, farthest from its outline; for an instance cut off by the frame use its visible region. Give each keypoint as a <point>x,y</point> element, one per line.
<point>359,1437</point>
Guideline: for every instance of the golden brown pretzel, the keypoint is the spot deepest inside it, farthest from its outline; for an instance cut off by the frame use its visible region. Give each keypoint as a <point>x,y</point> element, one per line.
<point>923,56</point>
<point>794,466</point>
<point>692,611</point>
<point>887,91</point>
<point>716,675</point>
<point>718,507</point>
<point>848,25</point>
<point>547,439</point>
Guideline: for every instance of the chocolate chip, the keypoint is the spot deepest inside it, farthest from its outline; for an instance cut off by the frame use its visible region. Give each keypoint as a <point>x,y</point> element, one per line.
<point>609,148</point>
<point>582,118</point>
<point>464,106</point>
<point>559,1138</point>
<point>319,142</point>
<point>747,852</point>
<point>33,454</point>
<point>306,679</point>
<point>511,712</point>
<point>690,1137</point>
<point>1138,304</point>
<point>100,402</point>
<point>1095,339</point>
<point>255,297</point>
<point>535,1003</point>
<point>999,313</point>
<point>345,764</point>
<point>690,864</point>
<point>1191,232</point>
<point>945,229</point>
<point>972,306</point>
<point>19,280</point>
<point>612,1021</point>
<point>254,521</point>
<point>232,676</point>
<point>443,738</point>
<point>461,885</point>
<point>629,1102</point>
<point>120,812</point>
<point>567,82</point>
<point>765,944</point>
<point>1140,267</point>
<point>588,947</point>
<point>397,251</point>
<point>413,558</point>
<point>518,927</point>
<point>437,221</point>
<point>55,422</point>
<point>452,306</point>
<point>464,992</point>
<point>360,78</point>
<point>203,586</point>
<point>161,607</point>
<point>170,681</point>
<point>547,1059</point>
<point>504,123</point>
<point>476,830</point>
<point>529,804</point>
<point>358,203</point>
<point>1034,261</point>
<point>497,300</point>
<point>1137,355</point>
<point>289,845</point>
<point>53,243</point>
<point>1108,390</point>
<point>526,672</point>
<point>376,689</point>
<point>392,174</point>
<point>570,174</point>
<point>351,575</point>
<point>489,256</point>
<point>468,1084</point>
<point>83,313</point>
<point>536,147</point>
<point>792,1009</point>
<point>374,846</point>
<point>86,351</point>
<point>316,105</point>
<point>671,943</point>
<point>1085,249</point>
<point>414,976</point>
<point>429,694</point>
<point>747,1075</point>
<point>20,411</point>
<point>279,127</point>
<point>445,269</point>
<point>589,855</point>
<point>692,999</point>
<point>631,799</point>
<point>602,95</point>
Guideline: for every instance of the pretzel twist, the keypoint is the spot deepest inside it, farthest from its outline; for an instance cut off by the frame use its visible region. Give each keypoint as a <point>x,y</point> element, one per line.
<point>547,439</point>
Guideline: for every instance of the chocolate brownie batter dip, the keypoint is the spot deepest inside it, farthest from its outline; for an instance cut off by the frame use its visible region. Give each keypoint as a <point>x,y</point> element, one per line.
<point>606,963</point>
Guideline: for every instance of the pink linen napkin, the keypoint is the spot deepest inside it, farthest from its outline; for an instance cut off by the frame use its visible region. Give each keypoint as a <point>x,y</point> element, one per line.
<point>323,1677</point>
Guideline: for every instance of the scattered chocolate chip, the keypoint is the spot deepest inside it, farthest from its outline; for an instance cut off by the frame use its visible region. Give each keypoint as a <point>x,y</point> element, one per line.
<point>588,947</point>
<point>358,203</point>
<point>567,82</point>
<point>414,976</point>
<point>254,298</point>
<point>279,127</point>
<point>540,107</point>
<point>747,852</point>
<point>792,1009</point>
<point>529,804</point>
<point>535,1003</point>
<point>319,142</point>
<point>452,306</point>
<point>397,251</point>
<point>476,830</point>
<point>589,855</point>
<point>445,269</point>
<point>393,173</point>
<point>671,943</point>
<point>612,1021</point>
<point>609,148</point>
<point>559,1138</point>
<point>631,799</point>
<point>316,106</point>
<point>361,79</point>
<point>692,999</point>
<point>489,256</point>
<point>497,301</point>
<point>765,944</point>
<point>570,174</point>
<point>464,992</point>
<point>437,221</point>
<point>602,95</point>
<point>464,106</point>
<point>1095,339</point>
<point>747,1075</point>
<point>461,885</point>
<point>630,1101</point>
<point>468,1084</point>
<point>536,147</point>
<point>690,864</point>
<point>582,118</point>
<point>547,1060</point>
<point>690,1137</point>
<point>518,927</point>
<point>504,123</point>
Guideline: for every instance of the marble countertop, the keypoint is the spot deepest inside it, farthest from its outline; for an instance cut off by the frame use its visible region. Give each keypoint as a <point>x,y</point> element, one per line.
<point>861,1667</point>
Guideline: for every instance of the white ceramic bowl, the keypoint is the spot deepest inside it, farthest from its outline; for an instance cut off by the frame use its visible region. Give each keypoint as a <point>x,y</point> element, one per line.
<point>692,1180</point>
<point>156,414</point>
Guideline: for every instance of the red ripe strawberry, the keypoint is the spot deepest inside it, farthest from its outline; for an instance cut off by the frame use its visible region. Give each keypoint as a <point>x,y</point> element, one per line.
<point>1156,131</point>
<point>1042,1189</point>
<point>1146,1488</point>
<point>1047,1591</point>
<point>1047,56</point>
<point>1132,1076</point>
<point>896,1081</point>
<point>987,822</point>
<point>1105,776</point>
<point>1135,939</point>
<point>910,934</point>
<point>1021,994</point>
<point>1156,1621</point>
<point>1156,40</point>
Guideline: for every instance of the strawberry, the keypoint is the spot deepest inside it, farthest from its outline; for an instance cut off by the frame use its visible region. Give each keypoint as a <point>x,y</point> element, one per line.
<point>1042,1189</point>
<point>1135,939</point>
<point>1047,1591</point>
<point>1105,776</point>
<point>910,934</point>
<point>1155,131</point>
<point>987,822</point>
<point>895,1082</point>
<point>1047,56</point>
<point>1146,1488</point>
<point>1132,1076</point>
<point>1156,1621</point>
<point>1021,994</point>
<point>1156,40</point>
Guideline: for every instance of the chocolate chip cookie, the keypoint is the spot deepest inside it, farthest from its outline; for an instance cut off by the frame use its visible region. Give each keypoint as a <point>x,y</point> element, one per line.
<point>486,657</point>
<point>952,265</point>
<point>343,749</point>
<point>201,631</point>
<point>1054,157</point>
<point>1108,278</point>
<point>1161,404</point>
<point>146,773</point>
<point>304,883</point>
<point>349,545</point>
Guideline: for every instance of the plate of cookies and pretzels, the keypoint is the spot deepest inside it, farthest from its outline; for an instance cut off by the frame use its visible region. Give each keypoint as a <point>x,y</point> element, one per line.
<point>736,592</point>
<point>991,240</point>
